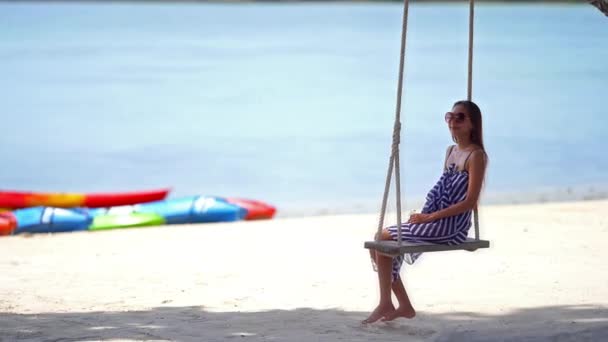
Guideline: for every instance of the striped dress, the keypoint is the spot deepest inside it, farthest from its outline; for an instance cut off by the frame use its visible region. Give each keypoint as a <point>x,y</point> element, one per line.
<point>449,190</point>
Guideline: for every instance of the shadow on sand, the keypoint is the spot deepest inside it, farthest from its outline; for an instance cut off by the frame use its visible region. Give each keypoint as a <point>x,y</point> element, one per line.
<point>551,323</point>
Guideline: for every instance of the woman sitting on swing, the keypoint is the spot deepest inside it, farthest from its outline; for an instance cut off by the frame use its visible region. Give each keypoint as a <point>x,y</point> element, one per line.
<point>446,216</point>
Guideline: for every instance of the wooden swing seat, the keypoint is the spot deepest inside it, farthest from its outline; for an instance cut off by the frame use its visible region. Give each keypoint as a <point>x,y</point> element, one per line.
<point>393,248</point>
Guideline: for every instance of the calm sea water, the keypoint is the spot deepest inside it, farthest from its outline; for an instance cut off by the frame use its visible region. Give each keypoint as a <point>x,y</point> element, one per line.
<point>294,103</point>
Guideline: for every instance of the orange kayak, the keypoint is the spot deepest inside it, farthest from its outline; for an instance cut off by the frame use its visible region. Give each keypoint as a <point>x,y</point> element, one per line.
<point>8,223</point>
<point>256,210</point>
<point>20,199</point>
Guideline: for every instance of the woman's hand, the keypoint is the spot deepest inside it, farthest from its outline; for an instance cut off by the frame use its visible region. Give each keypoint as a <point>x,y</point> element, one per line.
<point>420,218</point>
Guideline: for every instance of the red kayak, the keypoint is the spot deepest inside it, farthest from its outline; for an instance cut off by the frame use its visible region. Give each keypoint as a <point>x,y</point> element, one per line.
<point>20,199</point>
<point>256,210</point>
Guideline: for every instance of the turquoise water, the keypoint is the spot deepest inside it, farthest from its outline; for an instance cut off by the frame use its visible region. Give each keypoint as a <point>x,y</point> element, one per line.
<point>294,103</point>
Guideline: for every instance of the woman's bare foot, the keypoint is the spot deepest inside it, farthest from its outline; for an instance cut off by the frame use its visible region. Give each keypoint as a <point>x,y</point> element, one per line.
<point>408,312</point>
<point>379,312</point>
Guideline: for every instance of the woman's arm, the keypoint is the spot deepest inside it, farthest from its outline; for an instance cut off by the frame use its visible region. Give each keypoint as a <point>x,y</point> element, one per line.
<point>476,169</point>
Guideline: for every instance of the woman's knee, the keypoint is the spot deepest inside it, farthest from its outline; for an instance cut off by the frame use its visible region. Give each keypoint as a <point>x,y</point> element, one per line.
<point>384,235</point>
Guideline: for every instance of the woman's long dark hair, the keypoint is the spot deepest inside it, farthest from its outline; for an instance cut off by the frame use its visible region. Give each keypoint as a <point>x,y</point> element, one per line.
<point>475,116</point>
<point>477,132</point>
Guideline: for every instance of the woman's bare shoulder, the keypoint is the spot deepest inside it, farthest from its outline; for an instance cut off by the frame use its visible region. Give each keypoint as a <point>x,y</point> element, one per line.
<point>478,150</point>
<point>478,156</point>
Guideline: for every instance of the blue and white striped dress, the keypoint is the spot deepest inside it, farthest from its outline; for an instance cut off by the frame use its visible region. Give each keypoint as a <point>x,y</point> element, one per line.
<point>449,190</point>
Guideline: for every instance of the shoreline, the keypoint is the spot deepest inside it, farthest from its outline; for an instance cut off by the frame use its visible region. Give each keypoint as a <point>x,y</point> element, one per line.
<point>543,195</point>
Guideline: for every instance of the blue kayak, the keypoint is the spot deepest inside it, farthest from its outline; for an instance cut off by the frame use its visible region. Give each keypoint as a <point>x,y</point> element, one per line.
<point>194,209</point>
<point>51,220</point>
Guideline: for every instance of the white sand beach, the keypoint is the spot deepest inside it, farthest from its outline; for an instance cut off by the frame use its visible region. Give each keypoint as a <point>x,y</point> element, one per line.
<point>545,278</point>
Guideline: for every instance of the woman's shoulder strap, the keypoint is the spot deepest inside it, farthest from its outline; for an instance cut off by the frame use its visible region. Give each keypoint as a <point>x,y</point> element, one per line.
<point>447,155</point>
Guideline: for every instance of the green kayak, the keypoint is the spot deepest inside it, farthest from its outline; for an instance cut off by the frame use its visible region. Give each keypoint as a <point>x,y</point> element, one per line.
<point>103,222</point>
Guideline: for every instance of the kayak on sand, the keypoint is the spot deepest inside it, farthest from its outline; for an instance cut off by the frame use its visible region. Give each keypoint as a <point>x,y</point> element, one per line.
<point>20,199</point>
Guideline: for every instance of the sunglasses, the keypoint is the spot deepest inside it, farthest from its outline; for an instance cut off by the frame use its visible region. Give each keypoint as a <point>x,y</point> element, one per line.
<point>458,117</point>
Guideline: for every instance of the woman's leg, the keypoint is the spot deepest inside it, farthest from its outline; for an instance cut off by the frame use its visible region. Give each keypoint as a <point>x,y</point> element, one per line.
<point>372,255</point>
<point>405,308</point>
<point>385,306</point>
<point>384,266</point>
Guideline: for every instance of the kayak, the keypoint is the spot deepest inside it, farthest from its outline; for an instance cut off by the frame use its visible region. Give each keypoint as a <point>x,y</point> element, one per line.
<point>51,220</point>
<point>19,199</point>
<point>194,209</point>
<point>256,210</point>
<point>104,222</point>
<point>8,223</point>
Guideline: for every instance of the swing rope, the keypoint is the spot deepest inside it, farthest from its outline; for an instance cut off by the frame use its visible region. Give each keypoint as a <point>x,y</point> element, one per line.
<point>470,90</point>
<point>393,164</point>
